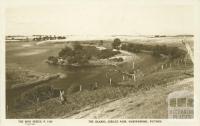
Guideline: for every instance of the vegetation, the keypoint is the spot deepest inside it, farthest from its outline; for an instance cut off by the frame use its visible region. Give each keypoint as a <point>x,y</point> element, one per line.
<point>118,59</point>
<point>100,42</point>
<point>34,95</point>
<point>116,43</point>
<point>65,52</point>
<point>135,48</point>
<point>80,99</point>
<point>77,55</point>
<point>81,54</point>
<point>107,53</point>
<point>172,52</point>
<point>17,75</point>
<point>53,59</point>
<point>46,37</point>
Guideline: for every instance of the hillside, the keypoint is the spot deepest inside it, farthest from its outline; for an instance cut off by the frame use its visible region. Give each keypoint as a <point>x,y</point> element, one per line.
<point>143,104</point>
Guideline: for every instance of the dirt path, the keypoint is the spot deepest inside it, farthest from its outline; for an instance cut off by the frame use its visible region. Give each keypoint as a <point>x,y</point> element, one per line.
<point>138,105</point>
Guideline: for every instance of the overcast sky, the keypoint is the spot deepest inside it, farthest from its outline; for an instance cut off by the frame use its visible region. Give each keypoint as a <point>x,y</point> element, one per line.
<point>97,17</point>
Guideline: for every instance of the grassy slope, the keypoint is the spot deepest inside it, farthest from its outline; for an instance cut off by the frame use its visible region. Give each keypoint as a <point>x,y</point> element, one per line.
<point>91,99</point>
<point>143,104</point>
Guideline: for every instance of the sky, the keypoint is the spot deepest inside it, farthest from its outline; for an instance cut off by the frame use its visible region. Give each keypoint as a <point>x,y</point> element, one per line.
<point>97,17</point>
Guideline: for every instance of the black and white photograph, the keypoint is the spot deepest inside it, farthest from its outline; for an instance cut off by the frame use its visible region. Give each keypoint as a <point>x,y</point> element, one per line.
<point>98,59</point>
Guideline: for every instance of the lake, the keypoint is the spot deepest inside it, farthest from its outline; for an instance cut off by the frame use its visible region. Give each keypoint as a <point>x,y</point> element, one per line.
<point>30,56</point>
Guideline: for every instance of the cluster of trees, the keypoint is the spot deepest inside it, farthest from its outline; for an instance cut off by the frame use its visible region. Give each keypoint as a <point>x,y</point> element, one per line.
<point>77,55</point>
<point>81,54</point>
<point>157,50</point>
<point>172,52</point>
<point>156,36</point>
<point>50,37</point>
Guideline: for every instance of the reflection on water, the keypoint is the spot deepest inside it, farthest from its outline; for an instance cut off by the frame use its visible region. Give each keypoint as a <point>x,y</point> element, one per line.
<point>31,52</point>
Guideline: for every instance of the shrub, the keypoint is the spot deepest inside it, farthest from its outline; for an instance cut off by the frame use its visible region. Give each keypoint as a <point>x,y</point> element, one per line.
<point>53,59</point>
<point>67,51</point>
<point>107,53</point>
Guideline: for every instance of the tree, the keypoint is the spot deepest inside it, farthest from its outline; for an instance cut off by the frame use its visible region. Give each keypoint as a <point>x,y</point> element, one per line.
<point>77,47</point>
<point>101,42</point>
<point>79,55</point>
<point>67,51</point>
<point>116,43</point>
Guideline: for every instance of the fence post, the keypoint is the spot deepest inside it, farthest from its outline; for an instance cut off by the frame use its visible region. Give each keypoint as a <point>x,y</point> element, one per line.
<point>123,77</point>
<point>178,62</point>
<point>133,65</point>
<point>185,63</point>
<point>96,85</point>
<point>80,88</point>
<point>134,77</point>
<point>110,81</point>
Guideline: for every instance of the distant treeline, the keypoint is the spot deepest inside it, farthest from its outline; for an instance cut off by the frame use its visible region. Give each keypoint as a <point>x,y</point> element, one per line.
<point>42,38</point>
<point>157,50</point>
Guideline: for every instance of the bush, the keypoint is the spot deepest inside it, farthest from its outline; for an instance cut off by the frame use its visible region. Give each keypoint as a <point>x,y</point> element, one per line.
<point>135,48</point>
<point>107,53</point>
<point>76,55</point>
<point>31,96</point>
<point>172,52</point>
<point>53,60</point>
<point>118,59</point>
<point>65,52</point>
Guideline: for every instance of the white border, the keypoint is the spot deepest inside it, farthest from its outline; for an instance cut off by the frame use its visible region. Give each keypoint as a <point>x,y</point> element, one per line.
<point>84,122</point>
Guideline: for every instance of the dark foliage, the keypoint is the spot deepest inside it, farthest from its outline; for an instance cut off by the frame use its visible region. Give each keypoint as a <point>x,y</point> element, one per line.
<point>107,53</point>
<point>116,43</point>
<point>172,52</point>
<point>53,59</point>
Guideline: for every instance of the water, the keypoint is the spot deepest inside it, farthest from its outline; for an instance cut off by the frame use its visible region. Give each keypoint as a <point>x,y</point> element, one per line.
<point>32,57</point>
